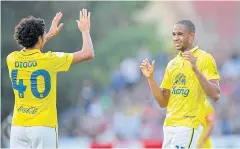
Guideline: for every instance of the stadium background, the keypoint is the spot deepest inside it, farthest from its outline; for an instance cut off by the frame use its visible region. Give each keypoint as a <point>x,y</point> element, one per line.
<point>107,99</point>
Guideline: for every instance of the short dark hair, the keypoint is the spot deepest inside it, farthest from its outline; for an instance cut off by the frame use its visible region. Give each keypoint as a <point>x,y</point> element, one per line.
<point>190,26</point>
<point>28,31</point>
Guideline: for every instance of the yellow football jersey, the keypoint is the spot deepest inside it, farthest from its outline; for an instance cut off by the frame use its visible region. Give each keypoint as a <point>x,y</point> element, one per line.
<point>33,75</point>
<point>208,116</point>
<point>187,96</point>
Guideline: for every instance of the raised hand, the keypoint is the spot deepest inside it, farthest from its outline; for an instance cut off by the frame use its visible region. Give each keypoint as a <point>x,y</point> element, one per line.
<point>55,28</point>
<point>147,68</point>
<point>187,55</point>
<point>84,21</point>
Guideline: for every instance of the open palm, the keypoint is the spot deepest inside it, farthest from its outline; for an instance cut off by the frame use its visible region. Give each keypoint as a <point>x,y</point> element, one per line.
<point>84,21</point>
<point>147,68</point>
<point>55,28</point>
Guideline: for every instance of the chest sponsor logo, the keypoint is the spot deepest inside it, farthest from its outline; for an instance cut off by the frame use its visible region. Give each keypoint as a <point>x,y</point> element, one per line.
<point>179,85</point>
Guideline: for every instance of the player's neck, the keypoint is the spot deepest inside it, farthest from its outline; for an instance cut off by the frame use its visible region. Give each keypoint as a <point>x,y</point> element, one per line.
<point>188,49</point>
<point>35,47</point>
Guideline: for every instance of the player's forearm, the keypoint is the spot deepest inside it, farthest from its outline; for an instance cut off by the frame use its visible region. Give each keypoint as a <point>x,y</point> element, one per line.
<point>211,89</point>
<point>87,44</point>
<point>87,52</point>
<point>157,93</point>
<point>208,133</point>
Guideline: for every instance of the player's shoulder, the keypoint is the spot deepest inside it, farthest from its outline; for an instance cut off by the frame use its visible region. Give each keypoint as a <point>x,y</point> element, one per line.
<point>173,61</point>
<point>52,54</point>
<point>204,55</point>
<point>11,56</point>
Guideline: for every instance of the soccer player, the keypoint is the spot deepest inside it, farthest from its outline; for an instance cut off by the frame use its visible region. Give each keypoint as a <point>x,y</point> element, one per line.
<point>189,78</point>
<point>33,76</point>
<point>208,125</point>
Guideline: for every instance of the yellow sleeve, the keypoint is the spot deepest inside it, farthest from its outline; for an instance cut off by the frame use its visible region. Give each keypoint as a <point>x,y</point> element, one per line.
<point>9,60</point>
<point>166,82</point>
<point>210,69</point>
<point>60,61</point>
<point>208,108</point>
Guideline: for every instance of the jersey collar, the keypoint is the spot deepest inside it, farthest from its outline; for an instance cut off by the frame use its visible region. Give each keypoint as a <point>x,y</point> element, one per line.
<point>192,50</point>
<point>29,52</point>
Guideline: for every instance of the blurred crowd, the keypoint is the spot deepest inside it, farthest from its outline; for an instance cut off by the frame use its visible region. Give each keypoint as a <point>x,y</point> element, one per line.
<point>127,110</point>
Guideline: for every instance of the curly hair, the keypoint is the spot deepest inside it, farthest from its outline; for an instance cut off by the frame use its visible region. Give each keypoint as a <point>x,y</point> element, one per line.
<point>28,31</point>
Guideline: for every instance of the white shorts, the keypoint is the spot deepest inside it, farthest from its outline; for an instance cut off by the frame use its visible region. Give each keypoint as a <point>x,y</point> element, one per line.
<point>181,137</point>
<point>33,137</point>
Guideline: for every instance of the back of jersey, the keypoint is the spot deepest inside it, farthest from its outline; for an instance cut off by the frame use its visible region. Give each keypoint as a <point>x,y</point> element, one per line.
<point>33,76</point>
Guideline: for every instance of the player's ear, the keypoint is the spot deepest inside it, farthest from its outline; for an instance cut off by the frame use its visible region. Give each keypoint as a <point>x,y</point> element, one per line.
<point>41,41</point>
<point>191,37</point>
